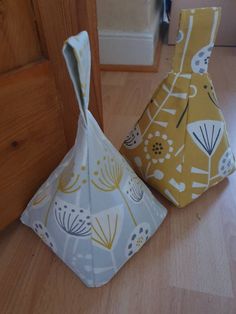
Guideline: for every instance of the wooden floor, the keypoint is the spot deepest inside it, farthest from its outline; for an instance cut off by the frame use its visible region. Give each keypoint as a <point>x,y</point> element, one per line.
<point>188,267</point>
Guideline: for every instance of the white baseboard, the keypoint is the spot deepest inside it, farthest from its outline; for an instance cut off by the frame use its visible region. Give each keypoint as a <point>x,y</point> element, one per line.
<point>128,48</point>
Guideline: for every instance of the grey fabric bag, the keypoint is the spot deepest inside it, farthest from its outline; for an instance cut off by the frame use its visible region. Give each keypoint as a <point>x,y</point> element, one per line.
<point>93,211</point>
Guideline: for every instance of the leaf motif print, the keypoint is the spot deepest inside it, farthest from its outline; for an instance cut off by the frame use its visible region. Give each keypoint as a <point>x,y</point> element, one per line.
<point>226,163</point>
<point>134,138</point>
<point>200,60</point>
<point>180,36</point>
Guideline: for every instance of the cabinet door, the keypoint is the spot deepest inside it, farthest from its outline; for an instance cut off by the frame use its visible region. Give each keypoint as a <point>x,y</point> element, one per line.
<point>38,111</point>
<point>227,30</point>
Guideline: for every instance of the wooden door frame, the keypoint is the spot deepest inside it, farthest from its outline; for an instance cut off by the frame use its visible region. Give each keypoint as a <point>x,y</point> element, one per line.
<point>39,109</point>
<point>59,20</point>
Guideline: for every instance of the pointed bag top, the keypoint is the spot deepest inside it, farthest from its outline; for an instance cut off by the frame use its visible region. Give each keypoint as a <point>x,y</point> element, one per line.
<point>77,54</point>
<point>195,41</point>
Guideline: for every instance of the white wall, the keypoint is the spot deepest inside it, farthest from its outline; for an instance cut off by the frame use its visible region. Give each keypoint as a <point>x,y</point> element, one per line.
<point>128,30</point>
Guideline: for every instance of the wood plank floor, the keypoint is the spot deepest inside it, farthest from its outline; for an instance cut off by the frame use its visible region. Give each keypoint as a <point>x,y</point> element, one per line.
<point>188,267</point>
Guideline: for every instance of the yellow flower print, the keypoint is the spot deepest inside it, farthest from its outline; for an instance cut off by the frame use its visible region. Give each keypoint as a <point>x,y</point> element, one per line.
<point>70,182</point>
<point>158,147</point>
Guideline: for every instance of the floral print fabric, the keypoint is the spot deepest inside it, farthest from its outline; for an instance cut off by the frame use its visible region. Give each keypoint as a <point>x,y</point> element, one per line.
<point>93,211</point>
<point>180,144</point>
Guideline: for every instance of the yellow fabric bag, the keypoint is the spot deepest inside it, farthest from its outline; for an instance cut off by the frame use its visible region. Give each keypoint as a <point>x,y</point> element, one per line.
<point>180,144</point>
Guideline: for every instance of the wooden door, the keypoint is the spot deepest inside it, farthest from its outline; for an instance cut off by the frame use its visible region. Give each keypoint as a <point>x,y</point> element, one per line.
<point>38,111</point>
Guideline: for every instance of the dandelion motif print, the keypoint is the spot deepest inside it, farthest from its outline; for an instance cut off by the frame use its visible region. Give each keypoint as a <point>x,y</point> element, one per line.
<point>109,177</point>
<point>73,220</point>
<point>137,239</point>
<point>44,234</point>
<point>207,135</point>
<point>42,197</point>
<point>106,229</point>
<point>136,192</point>
<point>71,182</point>
<point>183,133</point>
<point>83,212</point>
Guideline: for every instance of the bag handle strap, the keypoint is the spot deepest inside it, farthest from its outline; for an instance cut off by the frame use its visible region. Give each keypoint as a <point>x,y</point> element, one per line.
<point>77,54</point>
